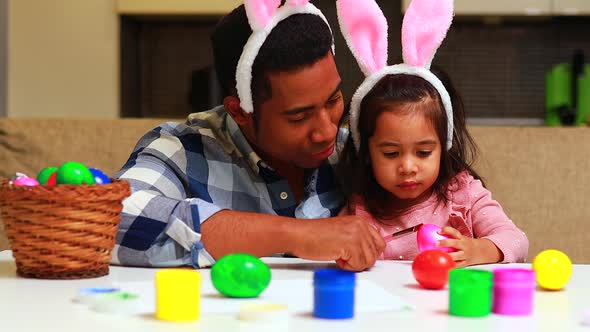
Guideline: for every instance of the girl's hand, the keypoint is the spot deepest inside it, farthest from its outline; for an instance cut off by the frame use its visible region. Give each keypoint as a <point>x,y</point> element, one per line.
<point>470,251</point>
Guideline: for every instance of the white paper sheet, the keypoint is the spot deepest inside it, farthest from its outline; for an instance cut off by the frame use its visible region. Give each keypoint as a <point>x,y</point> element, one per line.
<point>296,294</point>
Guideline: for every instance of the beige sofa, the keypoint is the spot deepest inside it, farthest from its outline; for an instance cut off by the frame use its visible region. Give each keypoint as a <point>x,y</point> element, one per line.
<point>540,175</point>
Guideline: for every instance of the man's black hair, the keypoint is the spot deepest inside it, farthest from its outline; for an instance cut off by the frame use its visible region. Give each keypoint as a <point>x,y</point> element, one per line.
<point>296,42</point>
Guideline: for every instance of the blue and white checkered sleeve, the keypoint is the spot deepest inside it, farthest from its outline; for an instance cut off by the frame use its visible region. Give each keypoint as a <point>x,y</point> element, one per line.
<point>160,226</point>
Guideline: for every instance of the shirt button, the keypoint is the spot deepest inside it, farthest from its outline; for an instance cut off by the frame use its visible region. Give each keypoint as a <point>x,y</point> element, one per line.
<point>284,195</point>
<point>401,257</point>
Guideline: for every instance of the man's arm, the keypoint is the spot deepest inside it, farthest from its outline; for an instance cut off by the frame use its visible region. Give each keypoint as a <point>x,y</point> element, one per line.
<point>349,240</point>
<point>161,226</point>
<point>161,231</point>
<point>160,223</point>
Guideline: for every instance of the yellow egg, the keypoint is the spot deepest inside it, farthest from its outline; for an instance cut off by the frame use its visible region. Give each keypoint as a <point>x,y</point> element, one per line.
<point>553,269</point>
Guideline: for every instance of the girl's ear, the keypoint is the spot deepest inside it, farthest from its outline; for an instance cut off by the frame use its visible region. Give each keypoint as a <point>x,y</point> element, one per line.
<point>424,27</point>
<point>364,28</point>
<point>260,12</point>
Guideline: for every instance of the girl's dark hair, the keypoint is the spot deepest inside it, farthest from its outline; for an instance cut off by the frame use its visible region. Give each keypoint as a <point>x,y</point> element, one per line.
<point>355,169</point>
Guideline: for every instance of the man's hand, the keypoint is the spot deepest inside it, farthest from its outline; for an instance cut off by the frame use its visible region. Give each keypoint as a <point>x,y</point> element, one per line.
<point>349,240</point>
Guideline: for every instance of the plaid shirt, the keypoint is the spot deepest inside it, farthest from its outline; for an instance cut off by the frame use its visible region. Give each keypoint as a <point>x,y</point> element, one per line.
<point>181,174</point>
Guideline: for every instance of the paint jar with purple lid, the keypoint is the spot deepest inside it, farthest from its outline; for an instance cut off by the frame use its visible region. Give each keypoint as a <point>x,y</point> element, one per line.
<point>514,290</point>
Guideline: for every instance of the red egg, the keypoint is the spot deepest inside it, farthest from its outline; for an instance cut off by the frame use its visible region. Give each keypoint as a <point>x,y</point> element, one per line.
<point>431,268</point>
<point>51,181</point>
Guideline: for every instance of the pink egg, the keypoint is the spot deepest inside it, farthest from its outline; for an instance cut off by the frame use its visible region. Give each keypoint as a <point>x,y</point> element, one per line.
<point>427,237</point>
<point>25,181</point>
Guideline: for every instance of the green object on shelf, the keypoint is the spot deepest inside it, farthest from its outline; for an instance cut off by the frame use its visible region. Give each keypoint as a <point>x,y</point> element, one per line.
<point>470,292</point>
<point>73,172</point>
<point>567,101</point>
<point>583,115</point>
<point>240,275</point>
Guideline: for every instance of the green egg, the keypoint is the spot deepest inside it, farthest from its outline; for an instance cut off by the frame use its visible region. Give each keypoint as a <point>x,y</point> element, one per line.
<point>240,275</point>
<point>73,172</point>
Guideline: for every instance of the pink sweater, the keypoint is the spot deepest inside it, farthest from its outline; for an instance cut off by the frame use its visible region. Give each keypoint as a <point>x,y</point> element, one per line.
<point>471,210</point>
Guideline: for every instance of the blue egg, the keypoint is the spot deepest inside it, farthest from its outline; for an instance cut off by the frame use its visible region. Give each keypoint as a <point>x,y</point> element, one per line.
<point>99,176</point>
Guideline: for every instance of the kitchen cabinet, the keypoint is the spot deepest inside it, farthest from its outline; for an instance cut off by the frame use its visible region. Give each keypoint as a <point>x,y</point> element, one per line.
<point>176,7</point>
<point>502,7</point>
<point>571,7</point>
<point>518,7</point>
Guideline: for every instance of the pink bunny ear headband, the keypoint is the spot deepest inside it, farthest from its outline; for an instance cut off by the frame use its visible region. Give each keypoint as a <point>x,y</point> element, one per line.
<point>263,16</point>
<point>424,27</point>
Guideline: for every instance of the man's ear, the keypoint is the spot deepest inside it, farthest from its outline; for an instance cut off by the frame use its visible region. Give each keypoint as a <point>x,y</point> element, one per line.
<point>232,106</point>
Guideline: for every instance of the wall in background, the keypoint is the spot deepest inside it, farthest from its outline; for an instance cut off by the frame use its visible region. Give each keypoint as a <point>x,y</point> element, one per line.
<point>63,59</point>
<point>167,64</point>
<point>349,70</point>
<point>3,55</point>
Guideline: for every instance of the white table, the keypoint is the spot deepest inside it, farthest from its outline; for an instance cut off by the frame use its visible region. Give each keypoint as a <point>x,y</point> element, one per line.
<point>46,305</point>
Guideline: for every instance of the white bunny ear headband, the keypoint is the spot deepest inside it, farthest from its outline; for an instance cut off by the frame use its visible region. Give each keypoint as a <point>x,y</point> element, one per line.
<point>424,27</point>
<point>263,16</point>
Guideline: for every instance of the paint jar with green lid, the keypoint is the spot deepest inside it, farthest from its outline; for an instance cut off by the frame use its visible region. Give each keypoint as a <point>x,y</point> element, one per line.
<point>470,292</point>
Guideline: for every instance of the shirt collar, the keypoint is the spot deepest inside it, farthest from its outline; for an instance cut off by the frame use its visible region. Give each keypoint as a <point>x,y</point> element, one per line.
<point>235,134</point>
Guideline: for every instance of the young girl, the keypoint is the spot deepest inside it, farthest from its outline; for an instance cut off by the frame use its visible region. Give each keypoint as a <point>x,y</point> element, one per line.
<point>408,159</point>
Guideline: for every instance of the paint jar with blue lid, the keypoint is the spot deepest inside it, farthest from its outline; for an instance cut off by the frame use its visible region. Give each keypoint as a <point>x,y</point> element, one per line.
<point>86,295</point>
<point>333,294</point>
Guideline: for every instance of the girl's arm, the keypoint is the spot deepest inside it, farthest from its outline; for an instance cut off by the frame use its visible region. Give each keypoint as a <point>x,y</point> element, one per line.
<point>490,222</point>
<point>496,237</point>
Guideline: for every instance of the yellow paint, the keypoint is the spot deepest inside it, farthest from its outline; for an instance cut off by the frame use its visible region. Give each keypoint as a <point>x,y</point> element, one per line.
<point>270,312</point>
<point>178,295</point>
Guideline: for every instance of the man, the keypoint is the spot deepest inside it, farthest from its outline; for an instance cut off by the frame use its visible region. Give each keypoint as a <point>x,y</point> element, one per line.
<point>261,183</point>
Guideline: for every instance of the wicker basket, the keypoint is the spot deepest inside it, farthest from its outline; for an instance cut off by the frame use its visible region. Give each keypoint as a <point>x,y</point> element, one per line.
<point>63,231</point>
